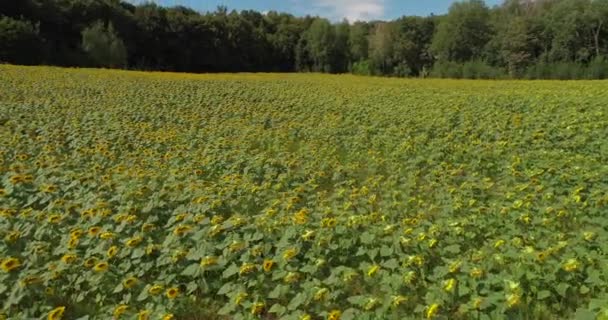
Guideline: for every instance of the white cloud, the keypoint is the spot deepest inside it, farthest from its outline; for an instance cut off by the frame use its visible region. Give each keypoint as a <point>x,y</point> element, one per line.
<point>353,10</point>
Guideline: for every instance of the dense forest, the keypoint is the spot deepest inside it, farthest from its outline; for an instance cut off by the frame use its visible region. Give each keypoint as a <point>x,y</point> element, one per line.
<point>554,39</point>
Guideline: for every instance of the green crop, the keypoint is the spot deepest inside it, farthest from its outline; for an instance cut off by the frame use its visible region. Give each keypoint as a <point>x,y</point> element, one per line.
<point>167,196</point>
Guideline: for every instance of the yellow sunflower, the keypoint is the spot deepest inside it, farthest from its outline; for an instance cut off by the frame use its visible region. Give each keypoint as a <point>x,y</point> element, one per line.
<point>120,310</point>
<point>90,262</point>
<point>172,293</point>
<point>257,308</point>
<point>56,314</point>
<point>143,315</point>
<point>112,251</point>
<point>334,315</point>
<point>268,264</point>
<point>10,264</point>
<point>209,261</point>
<point>68,258</point>
<point>129,282</point>
<point>94,231</point>
<point>155,289</point>
<point>101,267</point>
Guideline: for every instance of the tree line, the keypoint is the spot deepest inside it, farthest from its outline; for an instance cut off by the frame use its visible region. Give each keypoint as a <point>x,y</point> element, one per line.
<point>537,39</point>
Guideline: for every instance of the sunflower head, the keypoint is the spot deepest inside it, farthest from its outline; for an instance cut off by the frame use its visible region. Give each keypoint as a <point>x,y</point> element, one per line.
<point>101,267</point>
<point>119,310</point>
<point>129,282</point>
<point>155,289</point>
<point>172,293</point>
<point>268,264</point>
<point>90,262</point>
<point>112,251</point>
<point>10,264</point>
<point>56,314</point>
<point>334,315</point>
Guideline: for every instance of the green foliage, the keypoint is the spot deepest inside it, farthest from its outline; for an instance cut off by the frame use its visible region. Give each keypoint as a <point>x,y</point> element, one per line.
<point>104,46</point>
<point>20,42</point>
<point>273,196</point>
<point>469,70</point>
<point>362,68</point>
<point>463,33</point>
<point>519,38</point>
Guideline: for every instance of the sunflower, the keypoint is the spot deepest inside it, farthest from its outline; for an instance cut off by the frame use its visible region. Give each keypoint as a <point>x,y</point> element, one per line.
<point>94,231</point>
<point>101,267</point>
<point>172,293</point>
<point>571,265</point>
<point>181,230</point>
<point>143,315</point>
<point>133,242</point>
<point>373,270</point>
<point>321,294</point>
<point>247,268</point>
<point>147,227</point>
<point>268,264</point>
<point>106,235</point>
<point>90,262</point>
<point>449,285</point>
<point>55,218</point>
<point>16,179</point>
<point>2,192</point>
<point>56,314</point>
<point>290,253</point>
<point>29,280</point>
<point>73,243</point>
<point>10,264</point>
<point>68,258</point>
<point>76,233</point>
<point>432,311</point>
<point>155,289</point>
<point>129,282</point>
<point>257,308</point>
<point>398,300</point>
<point>169,316</point>
<point>209,261</point>
<point>12,236</point>
<point>334,315</point>
<point>48,188</point>
<point>476,273</point>
<point>112,251</point>
<point>240,298</point>
<point>120,310</point>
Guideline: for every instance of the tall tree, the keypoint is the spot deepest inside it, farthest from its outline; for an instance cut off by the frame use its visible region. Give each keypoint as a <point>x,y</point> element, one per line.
<point>463,33</point>
<point>381,48</point>
<point>20,42</point>
<point>104,46</point>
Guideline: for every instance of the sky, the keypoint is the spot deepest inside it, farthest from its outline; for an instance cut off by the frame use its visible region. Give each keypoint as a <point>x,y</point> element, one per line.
<point>332,9</point>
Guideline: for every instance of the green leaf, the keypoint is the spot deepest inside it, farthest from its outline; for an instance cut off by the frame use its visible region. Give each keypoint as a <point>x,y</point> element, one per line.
<point>191,270</point>
<point>296,301</point>
<point>230,271</point>
<point>562,288</point>
<point>226,288</point>
<point>386,251</point>
<point>543,294</point>
<point>277,309</point>
<point>584,289</point>
<point>143,295</point>
<point>584,314</point>
<point>391,264</point>
<point>227,309</point>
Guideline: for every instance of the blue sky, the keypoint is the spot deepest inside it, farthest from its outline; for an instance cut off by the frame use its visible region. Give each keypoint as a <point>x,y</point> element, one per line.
<point>333,9</point>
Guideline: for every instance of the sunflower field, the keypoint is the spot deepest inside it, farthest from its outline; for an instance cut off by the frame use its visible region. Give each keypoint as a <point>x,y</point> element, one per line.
<point>131,195</point>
